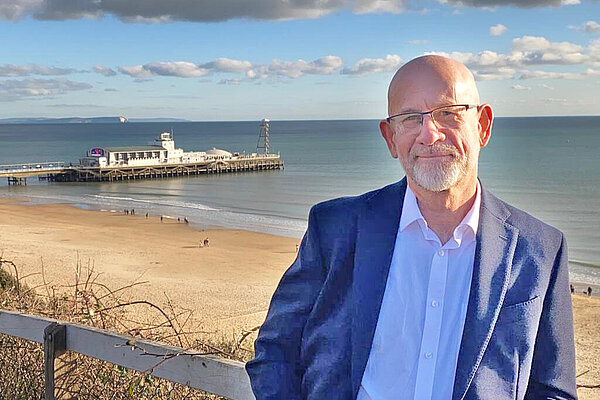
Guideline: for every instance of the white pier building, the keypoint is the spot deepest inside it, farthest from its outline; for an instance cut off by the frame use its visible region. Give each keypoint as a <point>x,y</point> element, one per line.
<point>162,152</point>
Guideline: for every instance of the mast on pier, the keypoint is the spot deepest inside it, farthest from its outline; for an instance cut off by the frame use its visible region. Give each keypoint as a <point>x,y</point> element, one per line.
<point>263,137</point>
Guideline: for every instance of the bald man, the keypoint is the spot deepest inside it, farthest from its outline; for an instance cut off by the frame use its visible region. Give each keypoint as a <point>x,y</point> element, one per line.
<point>429,288</point>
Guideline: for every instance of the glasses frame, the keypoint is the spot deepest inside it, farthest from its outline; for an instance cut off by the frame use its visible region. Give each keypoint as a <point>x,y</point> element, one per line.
<point>430,112</point>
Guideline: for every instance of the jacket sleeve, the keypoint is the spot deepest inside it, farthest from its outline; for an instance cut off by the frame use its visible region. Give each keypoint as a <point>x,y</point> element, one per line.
<point>553,370</point>
<point>276,371</point>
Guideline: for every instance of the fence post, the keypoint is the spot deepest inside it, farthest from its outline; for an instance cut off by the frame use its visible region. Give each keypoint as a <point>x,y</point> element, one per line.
<point>55,344</point>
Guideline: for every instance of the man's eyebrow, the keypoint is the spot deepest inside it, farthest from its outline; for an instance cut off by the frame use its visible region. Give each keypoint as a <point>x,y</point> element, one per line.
<point>407,110</point>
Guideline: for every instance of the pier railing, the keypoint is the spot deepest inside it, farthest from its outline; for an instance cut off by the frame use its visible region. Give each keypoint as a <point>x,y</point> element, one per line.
<point>219,376</point>
<point>27,167</point>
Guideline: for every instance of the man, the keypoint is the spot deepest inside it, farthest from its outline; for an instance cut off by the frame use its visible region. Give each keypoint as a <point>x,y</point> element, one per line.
<point>430,288</point>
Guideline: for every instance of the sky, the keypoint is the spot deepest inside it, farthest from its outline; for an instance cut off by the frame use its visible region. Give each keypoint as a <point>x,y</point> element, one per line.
<point>214,60</point>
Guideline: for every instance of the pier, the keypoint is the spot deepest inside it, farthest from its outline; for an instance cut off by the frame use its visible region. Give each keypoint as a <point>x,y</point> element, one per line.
<point>17,174</point>
<point>160,159</point>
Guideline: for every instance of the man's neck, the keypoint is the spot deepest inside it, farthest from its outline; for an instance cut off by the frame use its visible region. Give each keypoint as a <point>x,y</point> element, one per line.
<point>444,210</point>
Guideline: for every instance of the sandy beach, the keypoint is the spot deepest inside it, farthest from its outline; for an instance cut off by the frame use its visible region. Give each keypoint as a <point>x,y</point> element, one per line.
<point>228,284</point>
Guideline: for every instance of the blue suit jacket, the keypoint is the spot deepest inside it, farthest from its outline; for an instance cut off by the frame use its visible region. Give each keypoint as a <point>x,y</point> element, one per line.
<point>518,337</point>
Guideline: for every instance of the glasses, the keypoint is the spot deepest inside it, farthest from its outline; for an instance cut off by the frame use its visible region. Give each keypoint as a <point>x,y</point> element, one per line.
<point>448,117</point>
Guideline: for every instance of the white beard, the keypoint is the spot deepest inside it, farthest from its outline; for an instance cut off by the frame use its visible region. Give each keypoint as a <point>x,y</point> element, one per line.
<point>438,176</point>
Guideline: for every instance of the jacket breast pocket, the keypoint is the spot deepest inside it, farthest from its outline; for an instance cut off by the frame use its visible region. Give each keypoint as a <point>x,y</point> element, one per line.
<point>527,312</point>
<point>507,360</point>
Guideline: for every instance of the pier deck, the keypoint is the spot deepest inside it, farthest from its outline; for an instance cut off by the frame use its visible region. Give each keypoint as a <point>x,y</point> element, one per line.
<point>59,172</point>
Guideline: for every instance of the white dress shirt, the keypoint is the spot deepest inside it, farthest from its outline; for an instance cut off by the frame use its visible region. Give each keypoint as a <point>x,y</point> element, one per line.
<point>419,330</point>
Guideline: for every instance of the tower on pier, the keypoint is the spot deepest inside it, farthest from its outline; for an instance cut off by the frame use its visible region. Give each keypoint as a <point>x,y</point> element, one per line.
<point>263,137</point>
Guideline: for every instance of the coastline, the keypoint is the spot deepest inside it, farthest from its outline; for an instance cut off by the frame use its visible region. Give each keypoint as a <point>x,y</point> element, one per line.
<point>228,284</point>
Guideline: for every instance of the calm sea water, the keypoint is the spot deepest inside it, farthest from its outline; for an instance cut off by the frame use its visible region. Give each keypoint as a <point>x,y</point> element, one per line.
<point>546,166</point>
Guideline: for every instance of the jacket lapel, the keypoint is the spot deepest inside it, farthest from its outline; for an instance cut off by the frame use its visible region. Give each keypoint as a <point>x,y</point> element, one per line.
<point>496,242</point>
<point>376,234</point>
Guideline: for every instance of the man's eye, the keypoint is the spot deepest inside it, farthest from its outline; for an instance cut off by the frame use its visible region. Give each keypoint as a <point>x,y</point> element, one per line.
<point>411,118</point>
<point>446,113</point>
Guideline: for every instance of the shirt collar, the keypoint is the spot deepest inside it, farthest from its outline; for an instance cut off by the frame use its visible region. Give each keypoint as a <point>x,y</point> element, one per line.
<point>411,212</point>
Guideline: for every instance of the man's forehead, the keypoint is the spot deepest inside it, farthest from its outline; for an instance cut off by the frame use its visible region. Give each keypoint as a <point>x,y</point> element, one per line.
<point>414,97</point>
<point>428,86</point>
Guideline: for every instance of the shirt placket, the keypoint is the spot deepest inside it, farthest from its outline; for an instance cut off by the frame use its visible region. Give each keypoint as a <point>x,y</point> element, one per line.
<point>432,326</point>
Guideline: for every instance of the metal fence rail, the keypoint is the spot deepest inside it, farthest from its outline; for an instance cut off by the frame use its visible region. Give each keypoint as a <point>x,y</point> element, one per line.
<point>216,375</point>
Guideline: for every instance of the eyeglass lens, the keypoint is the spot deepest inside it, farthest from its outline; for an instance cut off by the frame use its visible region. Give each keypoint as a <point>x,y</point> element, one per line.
<point>446,117</point>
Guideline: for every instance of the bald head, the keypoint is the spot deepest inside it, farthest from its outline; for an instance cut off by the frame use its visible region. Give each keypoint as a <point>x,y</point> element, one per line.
<point>450,80</point>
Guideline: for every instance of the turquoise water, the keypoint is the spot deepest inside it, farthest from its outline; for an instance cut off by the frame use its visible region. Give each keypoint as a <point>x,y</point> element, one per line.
<point>546,166</point>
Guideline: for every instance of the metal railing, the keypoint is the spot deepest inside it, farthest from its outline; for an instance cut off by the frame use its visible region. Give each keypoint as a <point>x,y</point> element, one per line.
<point>28,167</point>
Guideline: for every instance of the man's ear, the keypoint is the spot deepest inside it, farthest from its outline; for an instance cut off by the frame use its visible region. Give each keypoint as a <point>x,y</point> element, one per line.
<point>388,134</point>
<point>486,120</point>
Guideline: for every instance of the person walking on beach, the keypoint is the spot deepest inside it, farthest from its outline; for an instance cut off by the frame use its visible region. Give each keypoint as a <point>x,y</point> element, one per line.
<point>429,288</point>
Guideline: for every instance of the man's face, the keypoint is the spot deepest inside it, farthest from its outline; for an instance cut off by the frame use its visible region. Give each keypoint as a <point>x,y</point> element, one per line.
<point>433,157</point>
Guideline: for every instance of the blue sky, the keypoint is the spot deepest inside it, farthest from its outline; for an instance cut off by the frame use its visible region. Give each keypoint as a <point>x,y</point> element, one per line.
<point>294,59</point>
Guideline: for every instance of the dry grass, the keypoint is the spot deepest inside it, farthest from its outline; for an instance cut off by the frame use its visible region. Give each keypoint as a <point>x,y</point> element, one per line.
<point>90,302</point>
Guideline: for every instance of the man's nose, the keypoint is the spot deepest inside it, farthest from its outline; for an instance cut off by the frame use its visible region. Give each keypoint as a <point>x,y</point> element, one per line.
<point>430,133</point>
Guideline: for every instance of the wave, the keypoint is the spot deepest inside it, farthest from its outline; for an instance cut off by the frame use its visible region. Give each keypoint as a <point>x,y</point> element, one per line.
<point>584,263</point>
<point>179,204</point>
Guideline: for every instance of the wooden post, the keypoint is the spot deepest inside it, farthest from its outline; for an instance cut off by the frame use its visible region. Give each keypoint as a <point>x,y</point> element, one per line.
<point>55,344</point>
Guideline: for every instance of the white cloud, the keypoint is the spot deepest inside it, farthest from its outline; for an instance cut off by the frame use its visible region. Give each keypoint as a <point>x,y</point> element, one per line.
<point>550,75</point>
<point>528,51</point>
<point>370,6</point>
<point>13,89</point>
<point>497,30</point>
<point>588,27</point>
<point>228,65</point>
<point>391,62</point>
<point>12,70</point>
<point>106,71</point>
<point>294,69</point>
<point>591,27</point>
<point>180,69</point>
<point>290,69</point>
<point>136,71</point>
<point>520,87</point>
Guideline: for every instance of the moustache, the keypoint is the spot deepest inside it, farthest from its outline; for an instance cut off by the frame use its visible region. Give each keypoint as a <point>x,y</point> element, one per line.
<point>435,149</point>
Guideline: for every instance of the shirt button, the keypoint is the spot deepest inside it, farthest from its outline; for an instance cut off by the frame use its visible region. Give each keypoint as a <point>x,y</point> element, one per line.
<point>434,303</point>
<point>428,355</point>
<point>441,253</point>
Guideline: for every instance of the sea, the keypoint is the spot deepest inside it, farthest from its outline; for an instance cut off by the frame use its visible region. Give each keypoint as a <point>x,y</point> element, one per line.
<point>547,166</point>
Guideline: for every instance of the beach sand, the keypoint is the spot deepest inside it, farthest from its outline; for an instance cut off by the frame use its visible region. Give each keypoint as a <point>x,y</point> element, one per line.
<point>228,284</point>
